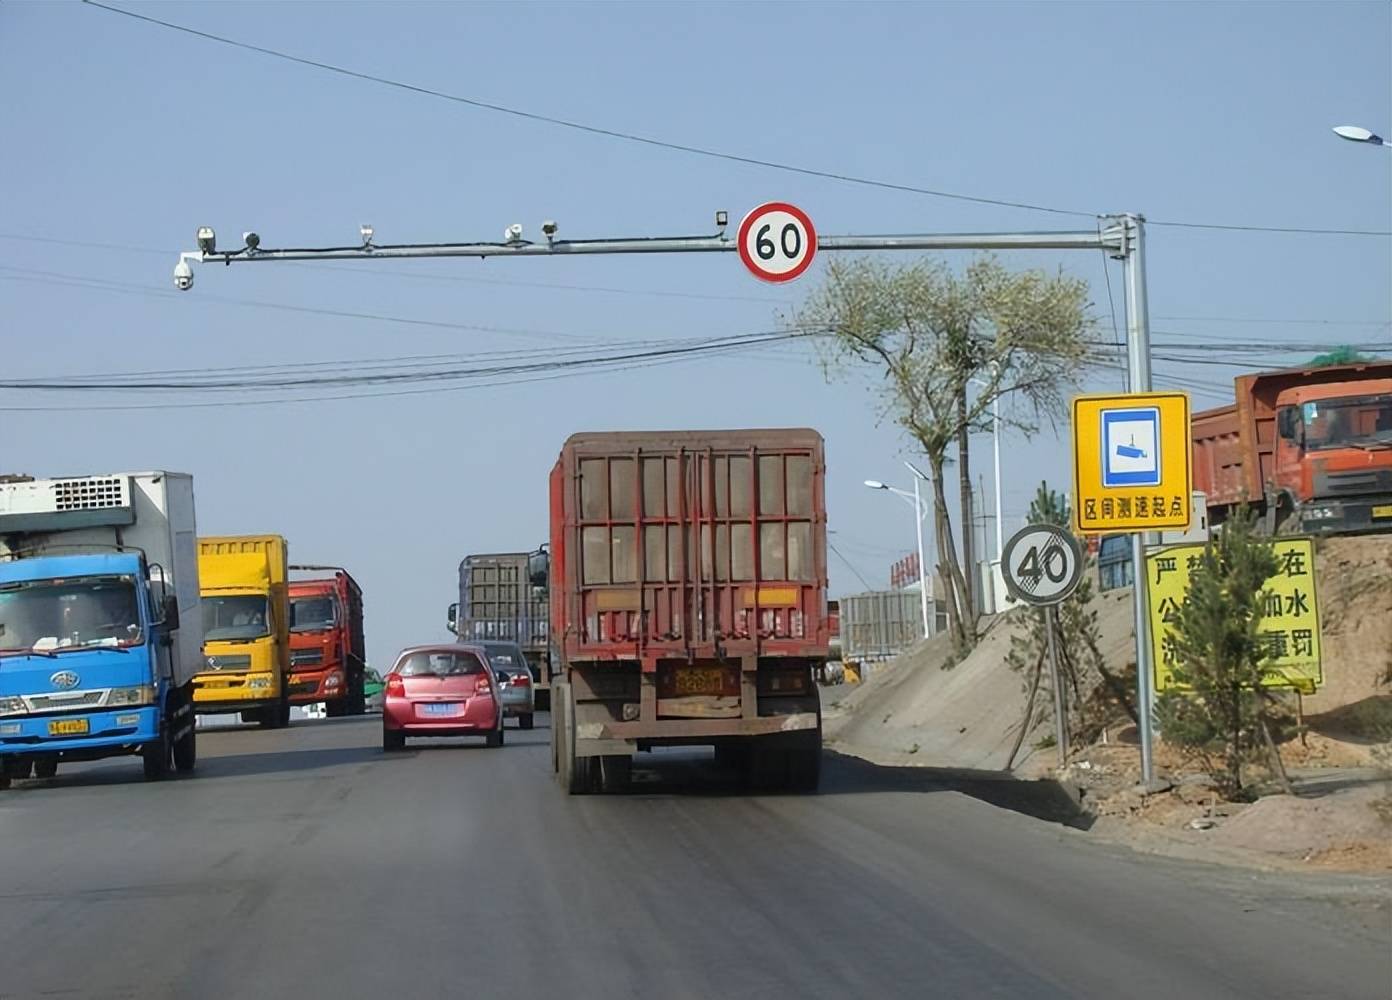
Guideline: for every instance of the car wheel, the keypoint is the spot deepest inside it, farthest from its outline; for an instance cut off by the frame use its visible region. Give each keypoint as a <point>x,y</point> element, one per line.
<point>45,767</point>
<point>393,740</point>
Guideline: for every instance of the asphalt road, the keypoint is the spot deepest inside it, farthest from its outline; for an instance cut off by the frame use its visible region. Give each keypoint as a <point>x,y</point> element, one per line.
<point>307,863</point>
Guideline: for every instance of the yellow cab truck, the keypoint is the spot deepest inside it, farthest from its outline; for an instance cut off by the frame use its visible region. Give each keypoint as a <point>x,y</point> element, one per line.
<point>246,629</point>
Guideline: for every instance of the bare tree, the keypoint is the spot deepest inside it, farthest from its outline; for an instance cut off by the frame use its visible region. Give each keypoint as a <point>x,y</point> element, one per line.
<point>928,331</point>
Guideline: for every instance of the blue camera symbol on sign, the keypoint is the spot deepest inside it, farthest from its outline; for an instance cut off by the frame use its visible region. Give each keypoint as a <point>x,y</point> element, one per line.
<point>1131,447</point>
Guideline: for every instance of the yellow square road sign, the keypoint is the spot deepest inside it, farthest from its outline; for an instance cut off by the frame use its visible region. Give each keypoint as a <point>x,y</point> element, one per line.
<point>1290,623</point>
<point>1131,462</point>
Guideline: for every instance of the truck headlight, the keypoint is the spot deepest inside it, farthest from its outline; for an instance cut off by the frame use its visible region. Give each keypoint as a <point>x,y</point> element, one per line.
<point>1322,513</point>
<point>259,682</point>
<point>10,705</point>
<point>333,680</point>
<point>142,694</point>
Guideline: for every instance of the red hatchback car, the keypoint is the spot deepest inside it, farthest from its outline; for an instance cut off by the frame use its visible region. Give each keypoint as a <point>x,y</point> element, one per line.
<point>441,691</point>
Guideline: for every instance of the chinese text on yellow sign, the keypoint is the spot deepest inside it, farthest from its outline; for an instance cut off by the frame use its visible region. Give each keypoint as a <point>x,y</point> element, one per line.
<point>1289,628</point>
<point>1131,462</point>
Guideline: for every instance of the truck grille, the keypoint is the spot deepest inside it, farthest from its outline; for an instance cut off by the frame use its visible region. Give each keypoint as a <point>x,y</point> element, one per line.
<point>305,657</point>
<point>1353,483</point>
<point>57,703</point>
<point>242,662</point>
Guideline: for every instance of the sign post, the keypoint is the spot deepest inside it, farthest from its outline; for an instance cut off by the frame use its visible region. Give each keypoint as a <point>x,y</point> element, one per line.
<point>1043,564</point>
<point>1131,473</point>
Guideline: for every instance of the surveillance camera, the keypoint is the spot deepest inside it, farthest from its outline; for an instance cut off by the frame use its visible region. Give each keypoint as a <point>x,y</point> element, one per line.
<point>183,275</point>
<point>549,227</point>
<point>252,240</point>
<point>513,233</point>
<point>366,232</point>
<point>207,239</point>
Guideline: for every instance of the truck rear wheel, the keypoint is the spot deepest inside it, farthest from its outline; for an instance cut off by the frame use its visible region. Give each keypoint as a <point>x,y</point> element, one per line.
<point>526,721</point>
<point>357,697</point>
<point>805,764</point>
<point>615,773</point>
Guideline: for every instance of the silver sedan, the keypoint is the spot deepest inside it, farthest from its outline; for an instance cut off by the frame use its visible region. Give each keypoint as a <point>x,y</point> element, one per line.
<point>516,682</point>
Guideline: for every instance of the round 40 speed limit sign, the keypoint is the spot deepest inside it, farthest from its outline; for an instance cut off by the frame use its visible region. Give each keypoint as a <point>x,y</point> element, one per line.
<point>777,241</point>
<point>1042,564</point>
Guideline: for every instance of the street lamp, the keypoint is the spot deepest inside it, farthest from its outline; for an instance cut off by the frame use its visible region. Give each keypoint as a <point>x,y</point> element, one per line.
<point>1356,133</point>
<point>920,512</point>
<point>995,447</point>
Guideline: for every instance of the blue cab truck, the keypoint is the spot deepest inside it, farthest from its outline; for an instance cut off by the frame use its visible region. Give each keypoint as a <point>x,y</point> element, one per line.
<point>100,626</point>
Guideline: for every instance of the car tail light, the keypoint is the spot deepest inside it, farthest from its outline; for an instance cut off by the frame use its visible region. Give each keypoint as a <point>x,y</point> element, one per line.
<point>482,686</point>
<point>521,680</point>
<point>395,685</point>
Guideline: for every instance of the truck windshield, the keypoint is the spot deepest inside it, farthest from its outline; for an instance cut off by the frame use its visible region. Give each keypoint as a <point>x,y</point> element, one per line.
<point>1348,423</point>
<point>312,614</point>
<point>69,613</point>
<point>238,617</point>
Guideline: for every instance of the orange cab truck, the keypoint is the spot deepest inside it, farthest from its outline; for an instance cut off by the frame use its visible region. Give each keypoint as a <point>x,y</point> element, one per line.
<point>1309,448</point>
<point>328,659</point>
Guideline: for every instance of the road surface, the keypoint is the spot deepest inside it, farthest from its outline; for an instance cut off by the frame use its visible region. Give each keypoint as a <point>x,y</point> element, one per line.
<point>305,863</point>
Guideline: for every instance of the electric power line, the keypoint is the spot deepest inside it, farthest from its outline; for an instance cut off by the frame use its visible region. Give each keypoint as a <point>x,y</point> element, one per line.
<point>581,126</point>
<point>685,147</point>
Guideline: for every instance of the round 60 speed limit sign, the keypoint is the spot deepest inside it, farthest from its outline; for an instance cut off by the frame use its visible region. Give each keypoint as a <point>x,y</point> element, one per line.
<point>1042,564</point>
<point>777,241</point>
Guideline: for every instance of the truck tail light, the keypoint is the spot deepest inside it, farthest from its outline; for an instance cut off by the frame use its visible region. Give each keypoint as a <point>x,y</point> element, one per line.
<point>783,682</point>
<point>395,685</point>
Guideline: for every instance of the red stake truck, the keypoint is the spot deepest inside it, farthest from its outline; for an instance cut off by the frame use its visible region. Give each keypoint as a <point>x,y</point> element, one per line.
<point>688,602</point>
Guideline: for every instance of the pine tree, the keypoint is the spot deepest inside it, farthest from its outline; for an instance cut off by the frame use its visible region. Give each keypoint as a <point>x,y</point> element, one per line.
<point>1220,657</point>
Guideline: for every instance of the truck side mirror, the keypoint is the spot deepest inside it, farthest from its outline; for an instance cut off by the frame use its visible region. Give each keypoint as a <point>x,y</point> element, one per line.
<point>539,567</point>
<point>453,617</point>
<point>171,611</point>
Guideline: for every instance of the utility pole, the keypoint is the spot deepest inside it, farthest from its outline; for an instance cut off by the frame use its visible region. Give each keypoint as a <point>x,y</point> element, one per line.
<point>1132,253</point>
<point>1123,236</point>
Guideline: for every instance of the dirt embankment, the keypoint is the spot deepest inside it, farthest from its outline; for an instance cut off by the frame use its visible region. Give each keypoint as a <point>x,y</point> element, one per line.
<point>922,710</point>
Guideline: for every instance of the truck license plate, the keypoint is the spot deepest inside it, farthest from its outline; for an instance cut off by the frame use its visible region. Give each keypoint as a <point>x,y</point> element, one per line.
<point>696,680</point>
<point>1384,511</point>
<point>69,727</point>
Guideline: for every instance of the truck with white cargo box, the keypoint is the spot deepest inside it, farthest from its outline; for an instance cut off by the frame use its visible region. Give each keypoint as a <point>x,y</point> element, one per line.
<point>99,622</point>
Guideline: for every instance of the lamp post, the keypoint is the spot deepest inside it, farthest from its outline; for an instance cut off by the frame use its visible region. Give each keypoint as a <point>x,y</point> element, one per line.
<point>920,512</point>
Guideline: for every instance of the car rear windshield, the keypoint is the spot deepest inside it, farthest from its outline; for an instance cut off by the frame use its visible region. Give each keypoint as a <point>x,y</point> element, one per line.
<point>439,664</point>
<point>504,658</point>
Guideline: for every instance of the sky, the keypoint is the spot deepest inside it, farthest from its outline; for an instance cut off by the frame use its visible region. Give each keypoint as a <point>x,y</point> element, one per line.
<point>124,137</point>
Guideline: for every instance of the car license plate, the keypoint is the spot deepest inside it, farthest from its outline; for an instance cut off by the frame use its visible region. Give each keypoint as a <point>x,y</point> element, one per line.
<point>69,727</point>
<point>1384,511</point>
<point>441,708</point>
<point>697,680</point>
